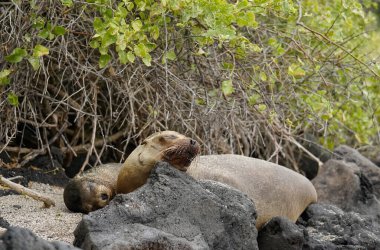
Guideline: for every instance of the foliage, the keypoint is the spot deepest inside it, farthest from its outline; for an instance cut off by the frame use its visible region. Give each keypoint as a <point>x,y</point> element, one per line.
<point>245,76</point>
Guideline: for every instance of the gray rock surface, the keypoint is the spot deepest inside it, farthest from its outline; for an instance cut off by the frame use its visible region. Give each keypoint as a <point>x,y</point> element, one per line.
<point>372,171</point>
<point>345,185</point>
<point>280,233</point>
<point>172,211</point>
<point>17,238</point>
<point>328,227</point>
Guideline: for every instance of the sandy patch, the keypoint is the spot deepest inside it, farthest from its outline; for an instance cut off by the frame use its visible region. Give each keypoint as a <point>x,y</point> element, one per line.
<point>56,223</point>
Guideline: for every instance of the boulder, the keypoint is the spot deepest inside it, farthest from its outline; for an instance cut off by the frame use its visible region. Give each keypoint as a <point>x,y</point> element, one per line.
<point>329,227</point>
<point>345,185</point>
<point>371,171</point>
<point>280,233</point>
<point>17,238</point>
<point>372,153</point>
<point>172,211</point>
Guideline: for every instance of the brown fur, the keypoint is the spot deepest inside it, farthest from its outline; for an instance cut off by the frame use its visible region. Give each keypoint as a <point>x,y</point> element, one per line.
<point>275,190</point>
<point>169,146</point>
<point>93,190</point>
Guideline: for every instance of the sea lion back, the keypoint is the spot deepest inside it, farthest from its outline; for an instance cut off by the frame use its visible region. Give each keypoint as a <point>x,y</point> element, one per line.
<point>275,190</point>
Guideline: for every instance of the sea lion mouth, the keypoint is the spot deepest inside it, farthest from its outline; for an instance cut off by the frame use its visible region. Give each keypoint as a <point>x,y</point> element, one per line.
<point>180,155</point>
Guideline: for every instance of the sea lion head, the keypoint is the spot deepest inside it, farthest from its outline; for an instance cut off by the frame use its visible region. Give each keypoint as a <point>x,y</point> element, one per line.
<point>84,195</point>
<point>171,147</point>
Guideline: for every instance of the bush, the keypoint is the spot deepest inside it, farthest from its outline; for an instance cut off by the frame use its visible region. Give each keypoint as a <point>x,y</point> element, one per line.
<point>248,77</point>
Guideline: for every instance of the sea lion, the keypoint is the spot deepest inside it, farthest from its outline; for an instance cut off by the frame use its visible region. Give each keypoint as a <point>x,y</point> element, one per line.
<point>275,190</point>
<point>96,187</point>
<point>168,146</point>
<point>93,190</point>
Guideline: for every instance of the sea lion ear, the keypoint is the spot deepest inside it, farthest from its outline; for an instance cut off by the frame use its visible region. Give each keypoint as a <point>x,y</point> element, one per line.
<point>144,142</point>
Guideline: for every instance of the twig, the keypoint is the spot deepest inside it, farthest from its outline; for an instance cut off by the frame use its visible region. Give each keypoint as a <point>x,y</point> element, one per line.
<point>26,191</point>
<point>295,142</point>
<point>15,178</point>
<point>94,125</point>
<point>330,41</point>
<point>43,150</point>
<point>77,149</point>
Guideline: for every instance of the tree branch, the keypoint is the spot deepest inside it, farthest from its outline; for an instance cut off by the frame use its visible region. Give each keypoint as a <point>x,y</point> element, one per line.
<point>26,191</point>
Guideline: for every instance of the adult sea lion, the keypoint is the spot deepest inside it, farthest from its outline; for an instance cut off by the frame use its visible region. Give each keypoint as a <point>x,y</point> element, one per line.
<point>93,190</point>
<point>275,190</point>
<point>168,146</point>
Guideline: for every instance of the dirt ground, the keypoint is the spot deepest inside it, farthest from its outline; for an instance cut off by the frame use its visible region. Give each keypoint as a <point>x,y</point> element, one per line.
<point>55,223</point>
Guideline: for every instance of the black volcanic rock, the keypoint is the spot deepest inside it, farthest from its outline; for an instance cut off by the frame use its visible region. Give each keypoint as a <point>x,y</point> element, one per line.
<point>172,211</point>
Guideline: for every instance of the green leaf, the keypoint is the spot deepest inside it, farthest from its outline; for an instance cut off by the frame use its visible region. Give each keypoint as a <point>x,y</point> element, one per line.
<point>35,62</point>
<point>94,44</point>
<point>247,19</point>
<point>147,60</point>
<point>170,55</point>
<point>296,71</point>
<point>263,76</point>
<point>262,107</point>
<point>13,99</point>
<point>155,32</point>
<point>40,50</point>
<point>129,5</point>
<point>108,39</point>
<point>200,101</point>
<point>39,23</point>
<point>254,47</point>
<point>4,73</point>
<point>103,60</point>
<point>123,12</point>
<point>16,56</point>
<point>67,3</point>
<point>4,80</point>
<point>253,99</point>
<point>123,57</point>
<point>59,30</point>
<point>98,24</point>
<point>227,87</point>
<point>137,25</point>
<point>141,50</point>
<point>44,33</point>
<point>131,56</point>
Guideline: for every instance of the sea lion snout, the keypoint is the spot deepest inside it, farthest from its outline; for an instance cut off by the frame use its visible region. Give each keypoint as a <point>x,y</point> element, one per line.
<point>182,153</point>
<point>169,146</point>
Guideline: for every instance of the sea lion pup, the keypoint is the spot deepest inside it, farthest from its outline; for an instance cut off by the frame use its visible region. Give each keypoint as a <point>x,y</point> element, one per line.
<point>93,190</point>
<point>275,190</point>
<point>168,146</point>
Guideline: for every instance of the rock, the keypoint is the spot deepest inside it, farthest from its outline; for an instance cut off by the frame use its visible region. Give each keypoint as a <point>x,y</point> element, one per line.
<point>372,153</point>
<point>345,185</point>
<point>4,223</point>
<point>328,227</point>
<point>280,233</point>
<point>172,211</point>
<point>372,171</point>
<point>17,238</point>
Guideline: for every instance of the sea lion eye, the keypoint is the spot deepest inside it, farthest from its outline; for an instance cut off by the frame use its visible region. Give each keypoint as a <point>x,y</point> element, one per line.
<point>104,196</point>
